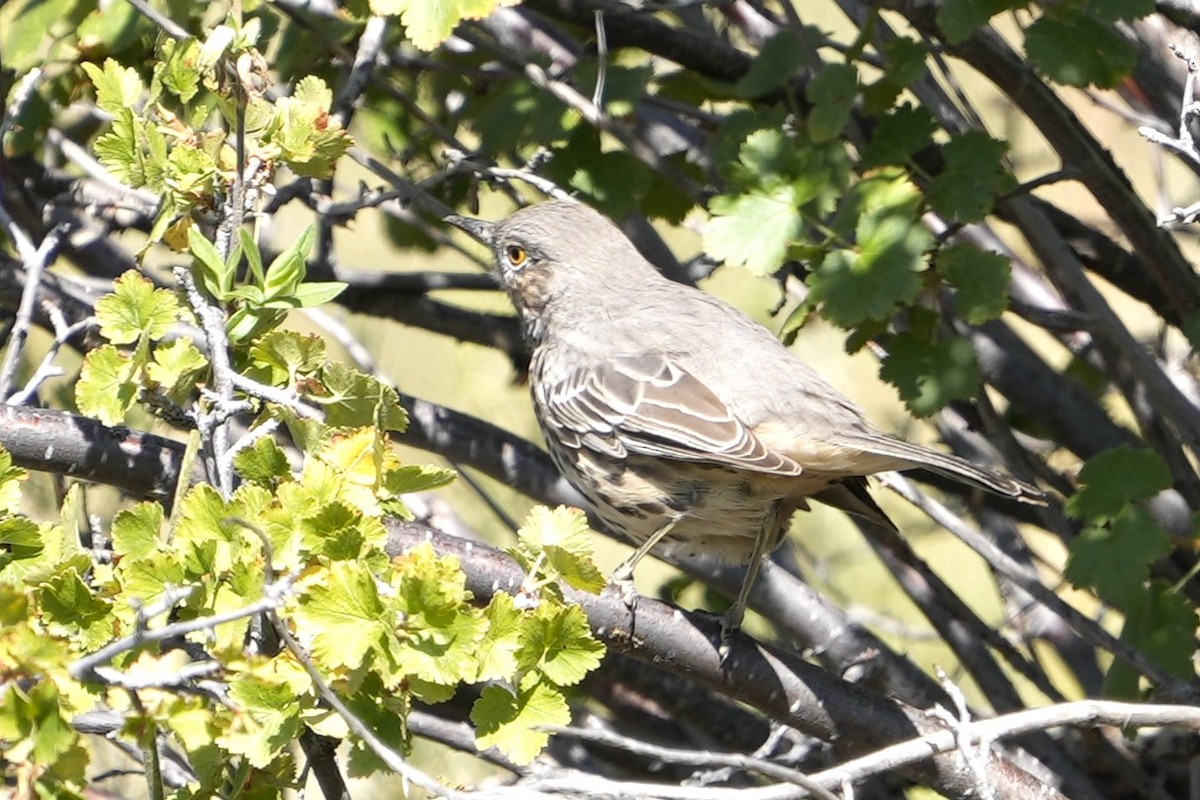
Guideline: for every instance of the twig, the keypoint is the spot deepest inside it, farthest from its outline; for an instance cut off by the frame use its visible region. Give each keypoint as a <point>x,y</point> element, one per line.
<point>211,425</point>
<point>702,758</point>
<point>35,264</point>
<point>88,668</point>
<point>365,59</point>
<point>21,96</point>
<point>1172,687</point>
<point>393,760</point>
<point>169,26</point>
<point>458,162</point>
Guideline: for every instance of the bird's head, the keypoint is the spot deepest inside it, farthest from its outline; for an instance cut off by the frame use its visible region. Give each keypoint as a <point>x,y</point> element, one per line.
<point>559,257</point>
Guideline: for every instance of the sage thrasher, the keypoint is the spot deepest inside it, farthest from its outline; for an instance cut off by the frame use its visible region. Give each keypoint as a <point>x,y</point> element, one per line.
<point>679,418</point>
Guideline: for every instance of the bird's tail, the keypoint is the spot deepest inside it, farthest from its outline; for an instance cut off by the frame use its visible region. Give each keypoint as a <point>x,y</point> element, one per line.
<point>954,468</point>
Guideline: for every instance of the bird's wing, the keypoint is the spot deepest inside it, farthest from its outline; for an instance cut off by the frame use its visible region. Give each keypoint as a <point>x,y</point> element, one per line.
<point>649,405</point>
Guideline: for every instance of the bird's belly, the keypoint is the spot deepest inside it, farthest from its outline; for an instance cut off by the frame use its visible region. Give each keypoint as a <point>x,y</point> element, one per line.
<point>717,511</point>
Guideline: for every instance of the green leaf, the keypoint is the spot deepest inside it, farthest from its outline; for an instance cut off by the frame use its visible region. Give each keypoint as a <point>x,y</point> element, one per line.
<point>175,367</point>
<point>974,175</point>
<point>959,18</point>
<point>509,722</point>
<point>901,133</point>
<point>417,478</point>
<point>753,230</point>
<point>178,68</point>
<point>562,536</point>
<point>353,399</point>
<point>303,133</point>
<point>253,256</point>
<point>215,274</point>
<point>1161,625</point>
<point>288,355</point>
<point>310,295</point>
<point>1120,10</point>
<point>344,615</point>
<point>559,644</point>
<point>136,531</point>
<point>905,63</point>
<point>430,24</point>
<point>981,279</point>
<point>832,92</point>
<point>1078,50</point>
<point>779,57</point>
<point>10,483</point>
<point>288,269</point>
<point>882,270</point>
<point>105,389</point>
<point>1115,559</point>
<point>20,540</point>
<point>613,181</point>
<point>268,720</point>
<point>263,462</point>
<point>135,309</point>
<point>71,609</point>
<point>497,659</point>
<point>118,89</point>
<point>1115,478</point>
<point>930,374</point>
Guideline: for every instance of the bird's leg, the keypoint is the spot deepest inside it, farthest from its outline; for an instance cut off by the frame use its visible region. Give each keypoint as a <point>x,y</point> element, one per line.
<point>622,576</point>
<point>731,621</point>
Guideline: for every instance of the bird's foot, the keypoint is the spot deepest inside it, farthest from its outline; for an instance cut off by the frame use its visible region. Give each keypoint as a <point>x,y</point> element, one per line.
<point>621,582</point>
<point>731,623</point>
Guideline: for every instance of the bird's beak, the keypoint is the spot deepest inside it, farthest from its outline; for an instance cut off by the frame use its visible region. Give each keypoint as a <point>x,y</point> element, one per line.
<point>481,230</point>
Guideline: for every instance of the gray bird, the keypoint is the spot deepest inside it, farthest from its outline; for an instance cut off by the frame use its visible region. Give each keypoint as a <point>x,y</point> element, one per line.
<point>683,421</point>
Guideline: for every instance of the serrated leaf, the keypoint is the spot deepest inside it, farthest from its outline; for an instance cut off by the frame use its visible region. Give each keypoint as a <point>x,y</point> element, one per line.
<point>105,389</point>
<point>175,366</point>
<point>832,92</point>
<point>136,531</point>
<point>753,230</point>
<point>930,374</point>
<point>1115,559</point>
<point>959,18</point>
<point>135,309</point>
<point>11,477</point>
<point>981,279</point>
<point>1115,478</point>
<point>263,462</point>
<point>779,57</point>
<point>430,24</point>
<point>562,536</point>
<point>267,723</point>
<point>179,68</point>
<point>118,88</point>
<point>905,63</point>
<point>288,354</point>
<point>881,271</point>
<point>508,722</point>
<point>497,659</point>
<point>559,644</point>
<point>899,134</point>
<point>974,174</point>
<point>354,399</point>
<point>417,478</point>
<point>1079,50</point>
<point>344,615</point>
<point>1161,625</point>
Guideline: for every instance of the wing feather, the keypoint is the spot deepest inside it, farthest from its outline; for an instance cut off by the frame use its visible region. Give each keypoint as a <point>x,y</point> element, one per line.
<point>648,405</point>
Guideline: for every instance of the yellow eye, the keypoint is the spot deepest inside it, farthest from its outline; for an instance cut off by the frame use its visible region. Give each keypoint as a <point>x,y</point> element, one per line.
<point>516,255</point>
